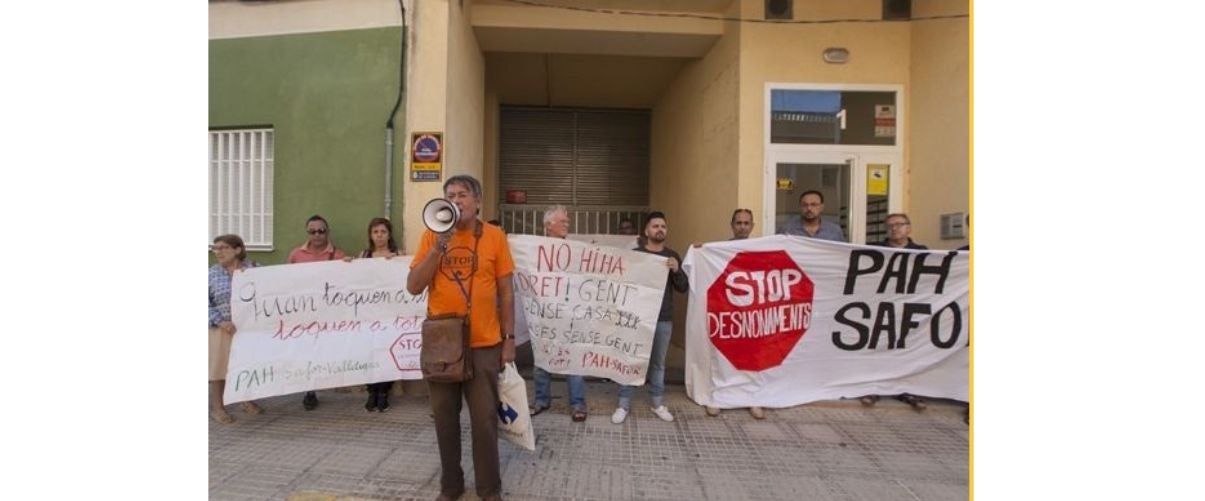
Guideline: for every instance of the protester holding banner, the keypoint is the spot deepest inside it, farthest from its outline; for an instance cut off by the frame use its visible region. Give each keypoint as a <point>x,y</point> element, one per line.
<point>742,227</point>
<point>556,225</point>
<point>476,255</point>
<point>811,223</point>
<point>380,245</point>
<point>317,247</point>
<point>232,256</point>
<point>656,229</point>
<point>899,233</point>
<point>899,236</point>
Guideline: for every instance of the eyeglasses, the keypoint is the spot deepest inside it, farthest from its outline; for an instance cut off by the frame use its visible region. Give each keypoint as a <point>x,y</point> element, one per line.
<point>316,232</point>
<point>897,225</point>
<point>217,248</point>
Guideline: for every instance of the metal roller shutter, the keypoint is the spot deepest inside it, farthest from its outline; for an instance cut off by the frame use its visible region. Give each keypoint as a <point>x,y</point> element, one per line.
<point>576,157</point>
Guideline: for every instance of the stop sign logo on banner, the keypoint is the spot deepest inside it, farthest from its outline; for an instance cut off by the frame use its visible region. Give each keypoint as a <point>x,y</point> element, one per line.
<point>758,309</point>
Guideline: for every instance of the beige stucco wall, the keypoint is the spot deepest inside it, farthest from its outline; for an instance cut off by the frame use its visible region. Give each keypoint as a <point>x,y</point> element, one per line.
<point>694,152</point>
<point>445,92</point>
<point>253,19</point>
<point>939,119</point>
<point>466,96</point>
<point>791,53</point>
<point>493,117</point>
<point>694,147</point>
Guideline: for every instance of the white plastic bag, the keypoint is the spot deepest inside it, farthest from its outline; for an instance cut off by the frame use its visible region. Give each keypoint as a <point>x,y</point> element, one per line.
<point>514,419</point>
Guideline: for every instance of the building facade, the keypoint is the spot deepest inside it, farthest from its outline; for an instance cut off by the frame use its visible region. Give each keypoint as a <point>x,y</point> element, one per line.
<point>612,107</point>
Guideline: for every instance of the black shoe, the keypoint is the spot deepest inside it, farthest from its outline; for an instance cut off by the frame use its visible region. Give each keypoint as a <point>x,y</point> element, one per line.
<point>383,400</point>
<point>310,402</point>
<point>916,402</point>
<point>371,404</point>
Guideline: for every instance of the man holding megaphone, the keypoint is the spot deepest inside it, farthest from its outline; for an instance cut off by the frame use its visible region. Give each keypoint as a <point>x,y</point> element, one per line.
<point>467,266</point>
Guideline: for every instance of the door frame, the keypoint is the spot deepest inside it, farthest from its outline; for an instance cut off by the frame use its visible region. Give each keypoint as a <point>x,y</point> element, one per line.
<point>857,156</point>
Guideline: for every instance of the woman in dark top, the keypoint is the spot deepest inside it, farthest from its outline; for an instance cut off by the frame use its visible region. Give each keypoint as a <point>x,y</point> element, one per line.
<point>382,245</point>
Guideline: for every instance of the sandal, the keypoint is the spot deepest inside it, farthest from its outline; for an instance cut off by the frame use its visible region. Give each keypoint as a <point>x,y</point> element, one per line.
<point>579,416</point>
<point>252,409</point>
<point>538,408</point>
<point>222,417</point>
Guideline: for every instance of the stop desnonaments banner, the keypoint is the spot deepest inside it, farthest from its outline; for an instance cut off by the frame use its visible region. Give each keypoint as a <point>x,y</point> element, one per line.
<point>781,321</point>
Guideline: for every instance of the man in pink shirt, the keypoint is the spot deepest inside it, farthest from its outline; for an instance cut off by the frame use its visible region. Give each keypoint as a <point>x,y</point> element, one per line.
<point>317,247</point>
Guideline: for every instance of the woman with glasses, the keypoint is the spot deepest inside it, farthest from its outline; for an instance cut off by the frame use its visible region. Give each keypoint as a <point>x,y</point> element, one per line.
<point>232,257</point>
<point>380,245</point>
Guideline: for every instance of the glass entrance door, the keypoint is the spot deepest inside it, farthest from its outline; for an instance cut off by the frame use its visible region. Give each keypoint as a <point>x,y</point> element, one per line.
<point>794,179</point>
<point>859,191</point>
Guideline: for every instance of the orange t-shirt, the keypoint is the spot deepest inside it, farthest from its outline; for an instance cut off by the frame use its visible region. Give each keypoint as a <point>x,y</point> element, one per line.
<point>493,262</point>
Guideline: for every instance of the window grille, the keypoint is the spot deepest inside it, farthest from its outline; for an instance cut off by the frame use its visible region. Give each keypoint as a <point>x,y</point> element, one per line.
<point>240,185</point>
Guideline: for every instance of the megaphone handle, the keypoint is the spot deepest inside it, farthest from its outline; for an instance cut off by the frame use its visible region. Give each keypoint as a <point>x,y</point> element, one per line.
<point>442,240</point>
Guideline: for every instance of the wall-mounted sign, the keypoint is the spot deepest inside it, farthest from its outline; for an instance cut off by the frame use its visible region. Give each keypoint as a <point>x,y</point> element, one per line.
<point>786,184</point>
<point>426,156</point>
<point>884,120</point>
<point>876,179</point>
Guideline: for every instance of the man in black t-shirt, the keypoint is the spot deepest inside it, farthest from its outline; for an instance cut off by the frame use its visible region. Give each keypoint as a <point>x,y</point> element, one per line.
<point>655,232</point>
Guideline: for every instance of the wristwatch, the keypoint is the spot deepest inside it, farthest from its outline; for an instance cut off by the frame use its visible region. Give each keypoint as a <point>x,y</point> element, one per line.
<point>508,336</point>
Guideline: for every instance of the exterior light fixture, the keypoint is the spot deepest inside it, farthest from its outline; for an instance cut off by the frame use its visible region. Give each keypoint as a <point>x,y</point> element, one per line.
<point>836,55</point>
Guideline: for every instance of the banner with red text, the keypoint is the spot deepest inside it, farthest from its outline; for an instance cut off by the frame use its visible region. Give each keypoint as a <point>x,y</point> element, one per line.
<point>588,309</point>
<point>322,325</point>
<point>781,321</point>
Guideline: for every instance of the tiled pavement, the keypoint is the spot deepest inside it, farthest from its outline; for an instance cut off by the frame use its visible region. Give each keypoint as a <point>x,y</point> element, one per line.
<point>825,450</point>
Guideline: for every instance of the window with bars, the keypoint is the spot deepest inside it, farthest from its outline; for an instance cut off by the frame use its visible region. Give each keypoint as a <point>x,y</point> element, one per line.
<point>240,185</point>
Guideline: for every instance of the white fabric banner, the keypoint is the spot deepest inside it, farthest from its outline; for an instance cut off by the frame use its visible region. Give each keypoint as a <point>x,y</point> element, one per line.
<point>780,321</point>
<point>625,242</point>
<point>589,310</point>
<point>321,325</point>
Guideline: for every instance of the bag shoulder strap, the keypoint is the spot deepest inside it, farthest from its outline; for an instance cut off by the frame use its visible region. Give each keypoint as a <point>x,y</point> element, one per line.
<point>468,296</point>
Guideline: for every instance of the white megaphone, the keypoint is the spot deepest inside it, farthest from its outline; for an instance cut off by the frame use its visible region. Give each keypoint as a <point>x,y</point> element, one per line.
<point>440,215</point>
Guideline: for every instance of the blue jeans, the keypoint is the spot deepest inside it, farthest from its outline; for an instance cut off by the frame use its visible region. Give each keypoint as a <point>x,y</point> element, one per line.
<point>656,379</point>
<point>577,390</point>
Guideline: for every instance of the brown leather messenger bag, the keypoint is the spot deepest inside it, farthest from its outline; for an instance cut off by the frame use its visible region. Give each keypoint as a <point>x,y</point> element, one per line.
<point>445,356</point>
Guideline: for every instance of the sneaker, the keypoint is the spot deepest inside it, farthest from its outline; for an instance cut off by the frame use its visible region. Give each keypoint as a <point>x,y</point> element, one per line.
<point>758,412</point>
<point>663,413</point>
<point>620,415</point>
<point>713,411</point>
<point>310,402</point>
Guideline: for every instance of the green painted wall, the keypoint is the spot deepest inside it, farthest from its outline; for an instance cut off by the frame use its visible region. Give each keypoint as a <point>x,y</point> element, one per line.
<point>328,96</point>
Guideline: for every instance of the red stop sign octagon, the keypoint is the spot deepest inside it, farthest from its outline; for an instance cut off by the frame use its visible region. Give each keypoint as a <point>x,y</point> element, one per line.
<point>758,309</point>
